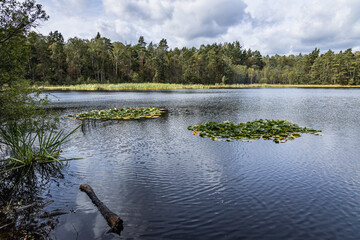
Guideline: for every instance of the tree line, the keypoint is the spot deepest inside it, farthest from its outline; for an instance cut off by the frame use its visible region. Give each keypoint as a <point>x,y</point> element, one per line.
<point>53,61</point>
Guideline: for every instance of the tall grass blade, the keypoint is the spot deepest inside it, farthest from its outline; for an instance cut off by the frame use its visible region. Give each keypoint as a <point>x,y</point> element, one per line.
<point>31,146</point>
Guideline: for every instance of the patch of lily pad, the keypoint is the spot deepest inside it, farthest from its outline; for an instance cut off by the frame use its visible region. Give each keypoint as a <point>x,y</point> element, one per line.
<point>279,131</point>
<point>121,113</point>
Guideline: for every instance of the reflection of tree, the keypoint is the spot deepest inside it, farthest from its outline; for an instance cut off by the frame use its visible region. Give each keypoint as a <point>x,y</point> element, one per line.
<point>22,211</point>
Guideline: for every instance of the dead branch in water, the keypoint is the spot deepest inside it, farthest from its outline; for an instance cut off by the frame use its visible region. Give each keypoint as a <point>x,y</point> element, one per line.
<point>113,220</point>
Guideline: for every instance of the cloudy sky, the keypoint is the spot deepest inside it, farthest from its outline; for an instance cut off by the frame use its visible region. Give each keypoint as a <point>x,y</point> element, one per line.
<point>276,26</point>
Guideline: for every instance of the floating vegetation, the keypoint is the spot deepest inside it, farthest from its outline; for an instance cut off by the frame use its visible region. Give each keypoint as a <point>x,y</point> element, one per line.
<point>279,131</point>
<point>122,113</point>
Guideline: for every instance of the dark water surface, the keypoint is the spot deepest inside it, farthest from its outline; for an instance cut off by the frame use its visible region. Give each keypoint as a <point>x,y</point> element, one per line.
<point>166,183</point>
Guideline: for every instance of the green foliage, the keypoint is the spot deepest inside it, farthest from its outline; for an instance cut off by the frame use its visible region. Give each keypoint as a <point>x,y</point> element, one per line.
<point>31,144</point>
<point>315,68</point>
<point>20,101</point>
<point>263,81</point>
<point>103,61</point>
<point>122,113</point>
<point>279,131</point>
<point>16,19</point>
<point>50,60</point>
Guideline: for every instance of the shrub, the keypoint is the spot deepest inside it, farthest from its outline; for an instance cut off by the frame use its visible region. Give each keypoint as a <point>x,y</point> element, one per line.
<point>263,81</point>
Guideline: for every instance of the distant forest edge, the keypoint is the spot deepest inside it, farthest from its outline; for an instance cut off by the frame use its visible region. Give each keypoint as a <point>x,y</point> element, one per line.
<point>52,61</point>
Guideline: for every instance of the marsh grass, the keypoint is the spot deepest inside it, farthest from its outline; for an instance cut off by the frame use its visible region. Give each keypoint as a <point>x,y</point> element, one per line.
<point>154,86</point>
<point>122,86</point>
<point>31,145</point>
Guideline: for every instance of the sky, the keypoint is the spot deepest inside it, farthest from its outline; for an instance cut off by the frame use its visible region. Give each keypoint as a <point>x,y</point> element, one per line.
<point>271,26</point>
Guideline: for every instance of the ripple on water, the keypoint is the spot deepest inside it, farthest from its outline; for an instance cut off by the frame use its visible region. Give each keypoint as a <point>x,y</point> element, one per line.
<point>168,184</point>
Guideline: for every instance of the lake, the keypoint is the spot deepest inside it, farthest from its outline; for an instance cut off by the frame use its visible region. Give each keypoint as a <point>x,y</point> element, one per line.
<point>166,183</point>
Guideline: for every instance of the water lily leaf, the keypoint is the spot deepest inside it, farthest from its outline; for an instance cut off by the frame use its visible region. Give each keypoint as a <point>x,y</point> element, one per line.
<point>122,113</point>
<point>279,131</point>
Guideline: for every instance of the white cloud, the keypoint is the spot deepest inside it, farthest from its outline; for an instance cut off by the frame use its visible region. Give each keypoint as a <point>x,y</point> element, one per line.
<point>70,7</point>
<point>71,17</point>
<point>203,18</point>
<point>303,25</point>
<point>271,27</point>
<point>179,22</point>
<point>135,10</point>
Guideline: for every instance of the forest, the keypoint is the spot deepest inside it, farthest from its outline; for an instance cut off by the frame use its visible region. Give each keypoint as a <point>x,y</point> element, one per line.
<point>52,61</point>
<point>154,173</point>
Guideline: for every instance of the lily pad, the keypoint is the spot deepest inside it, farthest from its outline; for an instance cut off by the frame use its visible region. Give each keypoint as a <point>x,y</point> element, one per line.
<point>121,113</point>
<point>280,131</point>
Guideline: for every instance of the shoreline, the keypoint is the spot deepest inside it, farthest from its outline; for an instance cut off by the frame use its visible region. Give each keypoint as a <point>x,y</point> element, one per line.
<point>167,86</point>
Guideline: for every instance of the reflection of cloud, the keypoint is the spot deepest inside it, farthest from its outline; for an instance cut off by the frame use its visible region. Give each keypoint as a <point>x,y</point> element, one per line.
<point>98,230</point>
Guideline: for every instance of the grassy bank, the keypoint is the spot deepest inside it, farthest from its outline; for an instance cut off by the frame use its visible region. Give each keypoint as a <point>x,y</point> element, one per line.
<point>148,86</point>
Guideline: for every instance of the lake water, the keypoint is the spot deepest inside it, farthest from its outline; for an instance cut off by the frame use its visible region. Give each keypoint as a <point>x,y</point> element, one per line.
<point>166,183</point>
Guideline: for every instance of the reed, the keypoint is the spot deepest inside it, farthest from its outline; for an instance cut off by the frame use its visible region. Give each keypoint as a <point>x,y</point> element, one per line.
<point>31,145</point>
<point>153,86</point>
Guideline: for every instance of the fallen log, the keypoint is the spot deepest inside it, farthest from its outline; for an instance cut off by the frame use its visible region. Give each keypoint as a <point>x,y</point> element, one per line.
<point>113,220</point>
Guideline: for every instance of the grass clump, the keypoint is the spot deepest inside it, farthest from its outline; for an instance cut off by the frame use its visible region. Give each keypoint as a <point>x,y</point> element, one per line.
<point>31,145</point>
<point>30,151</point>
<point>122,113</point>
<point>279,131</point>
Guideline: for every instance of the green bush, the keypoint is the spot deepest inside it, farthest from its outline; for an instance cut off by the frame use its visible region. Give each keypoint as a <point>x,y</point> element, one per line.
<point>263,81</point>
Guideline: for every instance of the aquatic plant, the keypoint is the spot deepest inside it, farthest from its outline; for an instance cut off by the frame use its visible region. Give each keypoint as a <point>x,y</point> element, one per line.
<point>122,113</point>
<point>31,145</point>
<point>33,148</point>
<point>279,131</point>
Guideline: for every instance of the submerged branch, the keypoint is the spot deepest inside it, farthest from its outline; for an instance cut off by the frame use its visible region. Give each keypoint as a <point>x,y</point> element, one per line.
<point>113,220</point>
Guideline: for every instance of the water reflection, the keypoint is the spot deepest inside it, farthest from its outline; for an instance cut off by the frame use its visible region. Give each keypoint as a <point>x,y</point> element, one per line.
<point>23,209</point>
<point>166,183</point>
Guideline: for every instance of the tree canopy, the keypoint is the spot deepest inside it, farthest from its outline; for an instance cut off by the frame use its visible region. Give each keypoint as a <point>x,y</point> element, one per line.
<point>16,20</point>
<point>99,60</point>
<point>50,60</point>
